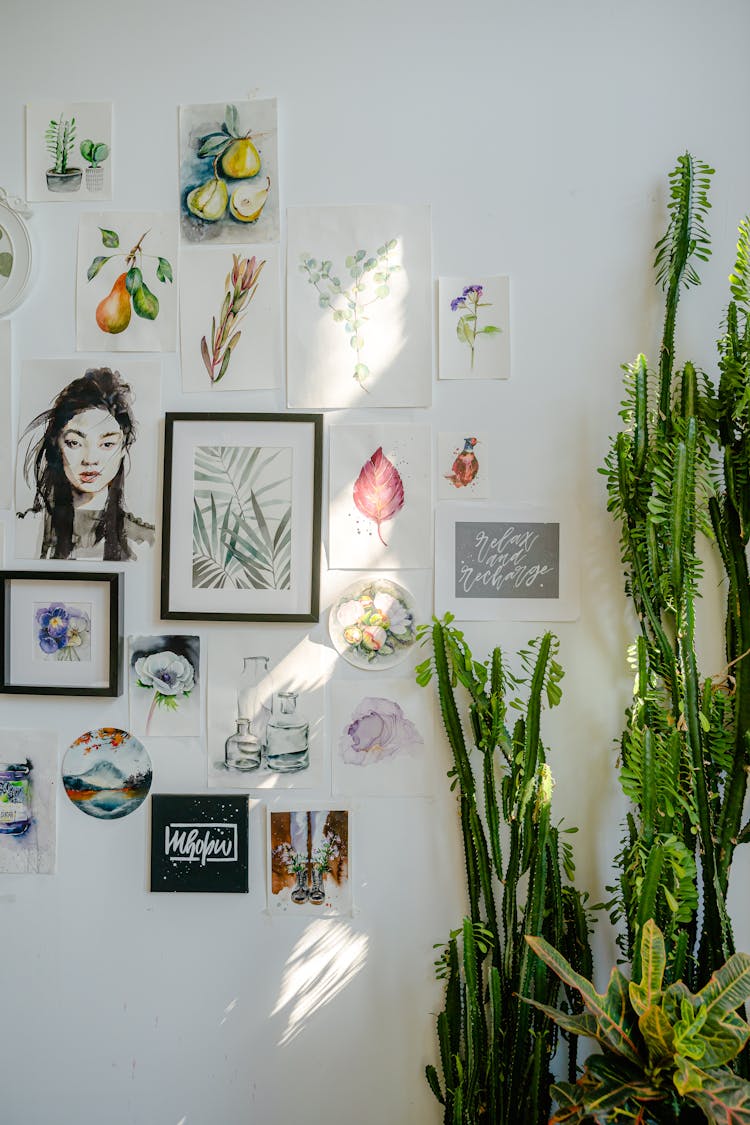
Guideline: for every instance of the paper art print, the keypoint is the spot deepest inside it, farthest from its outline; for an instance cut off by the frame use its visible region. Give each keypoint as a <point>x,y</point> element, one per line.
<point>309,862</point>
<point>383,739</point>
<point>62,631</point>
<point>495,563</point>
<point>372,624</point>
<point>126,299</point>
<point>69,151</point>
<point>463,465</point>
<point>242,524</point>
<point>380,504</point>
<point>230,335</point>
<point>165,685</point>
<point>265,712</point>
<point>474,320</point>
<point>199,843</point>
<point>359,306</point>
<point>28,778</point>
<point>229,172</point>
<point>86,461</point>
<point>6,445</point>
<point>107,773</point>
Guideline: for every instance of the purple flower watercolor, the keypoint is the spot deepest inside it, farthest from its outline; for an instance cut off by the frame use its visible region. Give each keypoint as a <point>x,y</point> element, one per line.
<point>61,630</point>
<point>378,730</point>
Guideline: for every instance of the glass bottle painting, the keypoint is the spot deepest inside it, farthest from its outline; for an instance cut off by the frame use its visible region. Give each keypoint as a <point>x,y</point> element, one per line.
<point>15,811</point>
<point>242,749</point>
<point>287,746</point>
<point>254,694</point>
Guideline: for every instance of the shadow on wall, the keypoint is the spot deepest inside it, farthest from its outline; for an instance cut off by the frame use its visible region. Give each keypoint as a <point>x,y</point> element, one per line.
<point>324,961</point>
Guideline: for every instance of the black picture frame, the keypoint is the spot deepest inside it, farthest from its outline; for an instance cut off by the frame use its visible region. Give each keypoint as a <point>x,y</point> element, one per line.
<point>113,580</point>
<point>306,480</point>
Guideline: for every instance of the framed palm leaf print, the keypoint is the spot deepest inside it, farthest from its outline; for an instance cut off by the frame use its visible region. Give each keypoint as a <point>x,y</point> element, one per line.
<point>241,518</point>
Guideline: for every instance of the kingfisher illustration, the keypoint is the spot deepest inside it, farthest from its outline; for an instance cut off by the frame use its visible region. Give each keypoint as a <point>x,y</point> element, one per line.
<point>465,467</point>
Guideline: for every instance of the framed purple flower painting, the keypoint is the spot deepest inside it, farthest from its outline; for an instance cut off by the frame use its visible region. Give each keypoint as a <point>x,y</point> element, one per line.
<point>61,633</point>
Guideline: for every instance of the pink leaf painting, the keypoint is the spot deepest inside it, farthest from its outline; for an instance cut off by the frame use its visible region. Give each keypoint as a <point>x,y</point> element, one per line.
<point>378,490</point>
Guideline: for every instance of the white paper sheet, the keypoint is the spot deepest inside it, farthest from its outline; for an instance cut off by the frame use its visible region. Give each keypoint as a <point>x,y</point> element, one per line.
<point>42,381</point>
<point>255,358</point>
<point>474,327</point>
<point>237,175</point>
<point>359,307</point>
<point>32,852</point>
<point>85,129</point>
<point>380,508</point>
<point>110,296</point>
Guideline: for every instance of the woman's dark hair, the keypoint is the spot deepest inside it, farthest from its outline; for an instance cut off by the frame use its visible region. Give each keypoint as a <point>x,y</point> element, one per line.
<point>99,388</point>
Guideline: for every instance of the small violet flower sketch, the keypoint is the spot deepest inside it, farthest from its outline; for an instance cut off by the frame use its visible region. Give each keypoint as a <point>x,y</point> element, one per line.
<point>467,328</point>
<point>293,861</point>
<point>169,676</point>
<point>62,630</point>
<point>379,729</point>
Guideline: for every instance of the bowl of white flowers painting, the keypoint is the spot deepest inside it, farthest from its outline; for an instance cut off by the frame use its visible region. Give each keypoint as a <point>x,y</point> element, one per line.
<point>372,625</point>
<point>163,682</point>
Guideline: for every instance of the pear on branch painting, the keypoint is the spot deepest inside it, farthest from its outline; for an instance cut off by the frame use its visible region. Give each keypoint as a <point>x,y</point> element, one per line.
<point>126,278</point>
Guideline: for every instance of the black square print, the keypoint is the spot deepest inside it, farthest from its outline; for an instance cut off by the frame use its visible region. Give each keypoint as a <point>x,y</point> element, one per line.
<point>199,843</point>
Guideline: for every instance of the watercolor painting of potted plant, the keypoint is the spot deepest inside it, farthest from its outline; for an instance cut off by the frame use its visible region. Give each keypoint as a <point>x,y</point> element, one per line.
<point>94,153</point>
<point>60,138</point>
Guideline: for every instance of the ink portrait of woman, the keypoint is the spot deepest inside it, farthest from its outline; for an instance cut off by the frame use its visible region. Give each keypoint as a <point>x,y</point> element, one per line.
<point>76,462</point>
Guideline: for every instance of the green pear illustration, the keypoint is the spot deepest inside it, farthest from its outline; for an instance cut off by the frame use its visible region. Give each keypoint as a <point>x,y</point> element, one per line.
<point>209,201</point>
<point>145,303</point>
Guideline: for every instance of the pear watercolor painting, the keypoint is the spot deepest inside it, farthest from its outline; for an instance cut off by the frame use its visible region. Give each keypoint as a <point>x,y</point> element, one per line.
<point>229,172</point>
<point>126,297</point>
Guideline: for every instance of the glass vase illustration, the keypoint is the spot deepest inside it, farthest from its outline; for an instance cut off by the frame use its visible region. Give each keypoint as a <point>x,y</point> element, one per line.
<point>254,695</point>
<point>287,736</point>
<point>242,749</point>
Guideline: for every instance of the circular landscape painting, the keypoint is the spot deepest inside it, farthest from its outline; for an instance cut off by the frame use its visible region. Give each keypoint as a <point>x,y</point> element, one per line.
<point>107,773</point>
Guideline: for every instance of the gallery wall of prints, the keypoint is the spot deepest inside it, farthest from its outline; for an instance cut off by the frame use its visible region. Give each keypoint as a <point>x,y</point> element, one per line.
<point>356,292</point>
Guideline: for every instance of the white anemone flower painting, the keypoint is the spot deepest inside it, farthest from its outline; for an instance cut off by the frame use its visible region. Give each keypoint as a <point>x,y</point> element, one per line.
<point>164,686</point>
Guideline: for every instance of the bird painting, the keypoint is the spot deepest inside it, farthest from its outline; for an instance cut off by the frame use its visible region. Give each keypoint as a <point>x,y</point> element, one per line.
<point>465,467</point>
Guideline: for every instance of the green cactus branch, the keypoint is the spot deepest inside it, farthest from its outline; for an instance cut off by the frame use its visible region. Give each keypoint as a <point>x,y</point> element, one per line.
<point>495,1051</point>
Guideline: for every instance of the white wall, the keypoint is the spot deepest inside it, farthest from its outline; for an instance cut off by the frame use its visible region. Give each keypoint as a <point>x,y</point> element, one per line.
<point>541,133</point>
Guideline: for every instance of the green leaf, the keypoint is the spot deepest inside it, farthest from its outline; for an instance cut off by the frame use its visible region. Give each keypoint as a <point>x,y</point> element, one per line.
<point>96,265</point>
<point>164,270</point>
<point>213,145</point>
<point>382,291</point>
<point>232,120</point>
<point>724,1098</point>
<point>145,303</point>
<point>490,330</point>
<point>657,1034</point>
<point>357,342</point>
<point>6,264</point>
<point>110,238</point>
<point>133,280</point>
<point>464,331</point>
<point>615,1020</point>
<point>653,964</point>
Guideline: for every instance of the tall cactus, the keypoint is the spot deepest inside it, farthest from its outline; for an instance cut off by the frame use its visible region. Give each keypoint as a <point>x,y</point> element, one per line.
<point>495,1051</point>
<point>685,751</point>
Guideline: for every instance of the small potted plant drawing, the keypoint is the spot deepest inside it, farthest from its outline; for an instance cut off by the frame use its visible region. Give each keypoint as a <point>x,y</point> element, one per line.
<point>94,153</point>
<point>60,138</point>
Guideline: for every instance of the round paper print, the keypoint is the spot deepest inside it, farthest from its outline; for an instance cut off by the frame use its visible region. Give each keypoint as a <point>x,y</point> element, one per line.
<point>107,773</point>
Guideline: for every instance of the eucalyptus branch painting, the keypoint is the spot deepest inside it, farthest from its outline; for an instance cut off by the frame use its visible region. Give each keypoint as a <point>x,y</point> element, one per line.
<point>359,307</point>
<point>242,517</point>
<point>370,282</point>
<point>474,328</point>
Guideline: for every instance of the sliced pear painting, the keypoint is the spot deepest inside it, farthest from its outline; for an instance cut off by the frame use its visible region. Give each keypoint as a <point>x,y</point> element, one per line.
<point>229,172</point>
